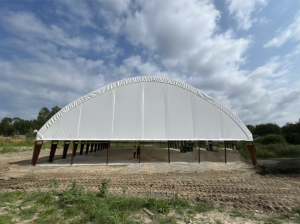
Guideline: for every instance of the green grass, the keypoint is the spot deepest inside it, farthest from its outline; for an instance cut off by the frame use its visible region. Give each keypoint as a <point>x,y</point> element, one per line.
<point>271,151</point>
<point>11,144</point>
<point>76,205</point>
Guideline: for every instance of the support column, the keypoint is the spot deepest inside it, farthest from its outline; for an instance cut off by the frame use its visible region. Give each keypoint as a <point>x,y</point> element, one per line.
<point>210,145</point>
<point>53,150</point>
<point>75,144</point>
<point>199,150</point>
<point>66,147</point>
<point>36,152</point>
<point>92,146</point>
<point>81,147</point>
<point>87,147</point>
<point>225,151</point>
<point>107,153</point>
<point>252,153</point>
<point>140,153</point>
<point>96,146</point>
<point>169,153</point>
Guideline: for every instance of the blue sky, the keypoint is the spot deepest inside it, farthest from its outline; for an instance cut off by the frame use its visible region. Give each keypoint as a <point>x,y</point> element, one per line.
<point>245,54</point>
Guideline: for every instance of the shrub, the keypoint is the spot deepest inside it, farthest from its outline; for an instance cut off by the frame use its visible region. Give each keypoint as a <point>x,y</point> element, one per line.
<point>273,139</point>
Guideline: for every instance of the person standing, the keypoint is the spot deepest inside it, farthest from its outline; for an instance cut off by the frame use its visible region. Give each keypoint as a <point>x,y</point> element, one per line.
<point>138,152</point>
<point>134,151</point>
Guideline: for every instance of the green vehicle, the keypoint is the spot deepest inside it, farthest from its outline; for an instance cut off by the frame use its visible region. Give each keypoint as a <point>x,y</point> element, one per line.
<point>186,147</point>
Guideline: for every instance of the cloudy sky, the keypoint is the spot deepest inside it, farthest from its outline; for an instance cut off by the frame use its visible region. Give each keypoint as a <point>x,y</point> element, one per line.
<point>245,54</point>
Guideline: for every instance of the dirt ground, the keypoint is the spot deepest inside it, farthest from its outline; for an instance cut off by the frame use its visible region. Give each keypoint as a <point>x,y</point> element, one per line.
<point>236,184</point>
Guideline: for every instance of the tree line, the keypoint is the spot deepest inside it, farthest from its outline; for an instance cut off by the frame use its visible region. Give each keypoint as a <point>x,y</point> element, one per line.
<point>17,126</point>
<point>290,131</point>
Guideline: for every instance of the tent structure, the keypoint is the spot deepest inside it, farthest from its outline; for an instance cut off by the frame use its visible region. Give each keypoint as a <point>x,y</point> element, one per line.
<point>143,109</point>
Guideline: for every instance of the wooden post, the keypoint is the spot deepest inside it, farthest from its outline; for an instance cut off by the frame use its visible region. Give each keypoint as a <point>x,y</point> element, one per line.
<point>66,147</point>
<point>81,147</point>
<point>169,151</point>
<point>53,150</point>
<point>107,154</point>
<point>36,152</point>
<point>225,151</point>
<point>87,147</point>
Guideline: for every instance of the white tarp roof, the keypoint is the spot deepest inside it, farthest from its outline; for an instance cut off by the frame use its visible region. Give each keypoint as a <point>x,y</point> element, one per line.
<point>145,109</point>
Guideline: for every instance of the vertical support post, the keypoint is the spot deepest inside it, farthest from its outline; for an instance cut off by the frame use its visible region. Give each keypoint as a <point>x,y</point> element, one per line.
<point>87,147</point>
<point>92,146</point>
<point>66,147</point>
<point>151,190</point>
<point>81,147</point>
<point>36,152</point>
<point>169,152</point>
<point>199,150</point>
<point>96,145</point>
<point>225,151</point>
<point>210,145</point>
<point>53,150</point>
<point>173,191</point>
<point>107,153</point>
<point>140,152</point>
<point>75,144</point>
<point>252,153</point>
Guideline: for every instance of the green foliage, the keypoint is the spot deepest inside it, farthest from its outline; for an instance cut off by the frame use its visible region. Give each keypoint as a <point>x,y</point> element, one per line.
<point>103,190</point>
<point>273,139</point>
<point>73,194</point>
<point>10,197</point>
<point>218,221</point>
<point>7,219</point>
<point>251,128</point>
<point>203,207</point>
<point>124,190</point>
<point>297,209</point>
<point>168,220</point>
<point>236,213</point>
<point>158,205</point>
<point>54,184</point>
<point>181,204</point>
<point>272,221</point>
<point>265,129</point>
<point>28,213</point>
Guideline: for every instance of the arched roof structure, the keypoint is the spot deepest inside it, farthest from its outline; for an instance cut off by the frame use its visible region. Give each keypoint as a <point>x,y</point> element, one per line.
<point>145,109</point>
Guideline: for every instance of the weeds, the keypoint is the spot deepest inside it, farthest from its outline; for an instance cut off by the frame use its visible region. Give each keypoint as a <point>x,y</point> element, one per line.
<point>236,213</point>
<point>105,185</point>
<point>203,207</point>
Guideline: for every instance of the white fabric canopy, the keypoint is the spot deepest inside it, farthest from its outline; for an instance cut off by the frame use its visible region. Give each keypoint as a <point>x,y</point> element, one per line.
<point>145,109</point>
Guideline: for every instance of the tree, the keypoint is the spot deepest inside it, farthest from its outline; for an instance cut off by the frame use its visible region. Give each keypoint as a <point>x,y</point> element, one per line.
<point>43,116</point>
<point>251,128</point>
<point>265,129</point>
<point>5,126</point>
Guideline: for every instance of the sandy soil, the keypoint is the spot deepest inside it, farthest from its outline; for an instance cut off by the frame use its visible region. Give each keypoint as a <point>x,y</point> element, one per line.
<point>235,184</point>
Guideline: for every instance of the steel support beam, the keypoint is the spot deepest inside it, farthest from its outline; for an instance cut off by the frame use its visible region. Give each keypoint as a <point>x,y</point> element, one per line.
<point>107,153</point>
<point>169,152</point>
<point>87,147</point>
<point>66,147</point>
<point>81,147</point>
<point>36,152</point>
<point>75,144</point>
<point>92,146</point>
<point>252,153</point>
<point>53,150</point>
<point>199,151</point>
<point>225,152</point>
<point>140,153</point>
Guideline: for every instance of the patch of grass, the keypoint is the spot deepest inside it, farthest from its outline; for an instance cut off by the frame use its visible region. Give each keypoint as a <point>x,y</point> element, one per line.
<point>218,222</point>
<point>203,207</point>
<point>7,219</point>
<point>272,221</point>
<point>286,215</point>
<point>28,213</point>
<point>220,209</point>
<point>168,220</point>
<point>11,197</point>
<point>236,213</point>
<point>296,209</point>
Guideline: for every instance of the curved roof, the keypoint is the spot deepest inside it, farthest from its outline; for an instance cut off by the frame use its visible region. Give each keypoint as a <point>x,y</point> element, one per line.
<point>145,109</point>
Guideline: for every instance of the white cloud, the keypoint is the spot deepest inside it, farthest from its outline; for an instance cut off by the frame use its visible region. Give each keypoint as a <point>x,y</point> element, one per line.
<point>292,32</point>
<point>242,10</point>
